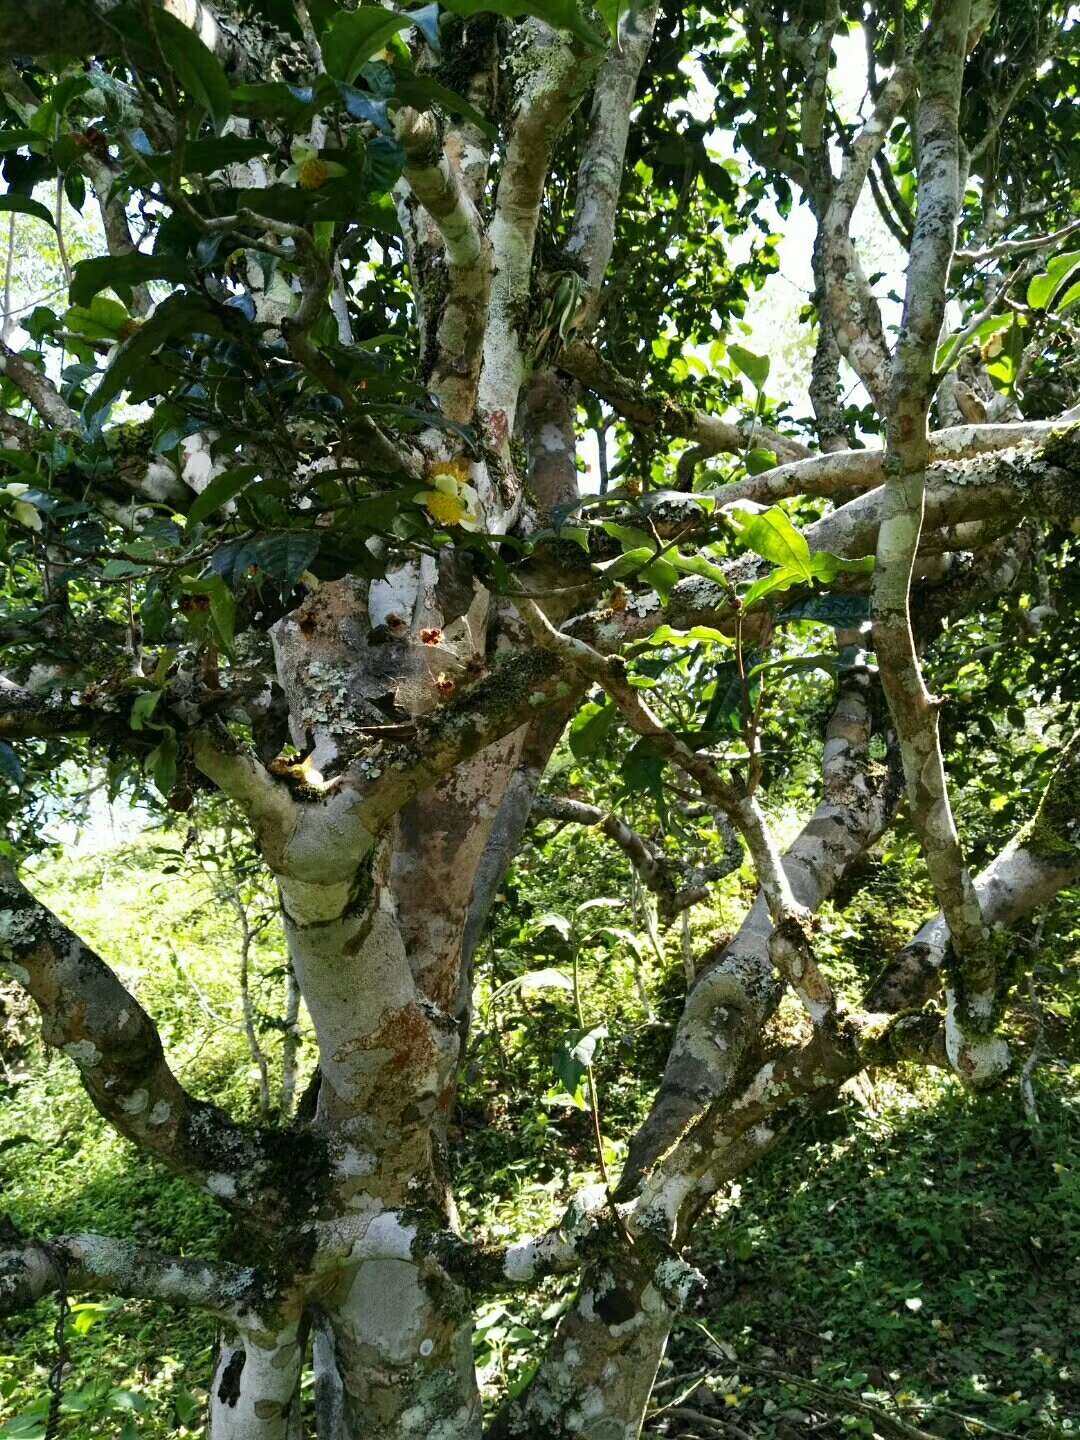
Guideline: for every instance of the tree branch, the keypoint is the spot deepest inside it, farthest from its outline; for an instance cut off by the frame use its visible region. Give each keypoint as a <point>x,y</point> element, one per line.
<point>99,1265</point>
<point>662,413</point>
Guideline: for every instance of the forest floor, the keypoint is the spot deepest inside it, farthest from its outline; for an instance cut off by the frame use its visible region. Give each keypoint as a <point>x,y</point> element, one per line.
<point>910,1266</point>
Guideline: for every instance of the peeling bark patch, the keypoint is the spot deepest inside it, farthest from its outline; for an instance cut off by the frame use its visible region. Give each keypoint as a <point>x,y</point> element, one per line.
<point>229,1389</point>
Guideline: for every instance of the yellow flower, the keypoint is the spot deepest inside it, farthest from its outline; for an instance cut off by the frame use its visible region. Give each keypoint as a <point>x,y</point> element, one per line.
<point>309,170</point>
<point>455,470</point>
<point>446,509</point>
<point>731,1398</point>
<point>312,174</point>
<point>451,501</point>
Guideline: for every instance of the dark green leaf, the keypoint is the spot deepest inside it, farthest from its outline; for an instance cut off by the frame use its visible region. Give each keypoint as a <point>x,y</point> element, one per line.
<point>200,72</point>
<point>23,205</point>
<point>179,314</point>
<point>285,557</point>
<point>354,36</point>
<point>220,490</point>
<point>161,763</point>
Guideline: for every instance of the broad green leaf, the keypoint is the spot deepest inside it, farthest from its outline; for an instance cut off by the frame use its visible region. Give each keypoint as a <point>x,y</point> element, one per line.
<point>781,579</point>
<point>142,708</point>
<point>591,727</point>
<point>952,349</point>
<point>354,36</point>
<point>161,763</point>
<point>662,576</point>
<point>27,514</point>
<point>830,663</point>
<point>1044,286</point>
<point>275,100</point>
<point>772,536</point>
<point>221,489</point>
<point>628,563</point>
<point>643,772</point>
<point>286,556</point>
<point>422,91</point>
<point>754,367</point>
<point>760,460</point>
<point>222,606</point>
<point>199,71</point>
<point>179,314</point>
<point>102,319</point>
<point>1069,299</point>
<point>23,205</point>
<point>826,566</point>
<point>108,272</point>
<point>203,157</point>
<point>574,1056</point>
<point>563,14</point>
<point>612,12</point>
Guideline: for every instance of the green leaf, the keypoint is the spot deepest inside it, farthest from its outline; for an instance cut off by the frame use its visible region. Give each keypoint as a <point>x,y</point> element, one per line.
<point>754,367</point>
<point>143,708</point>
<point>574,1056</point>
<point>758,461</point>
<point>200,72</point>
<point>826,566</point>
<point>179,314</point>
<point>161,763</point>
<point>550,921</point>
<point>952,348</point>
<point>612,12</point>
<point>563,14</point>
<point>354,36</point>
<point>222,606</point>
<point>782,578</point>
<point>110,272</point>
<point>591,727</point>
<point>643,771</point>
<point>276,100</point>
<point>121,569</point>
<point>662,576</point>
<point>285,557</point>
<point>829,663</point>
<point>221,489</point>
<point>422,91</point>
<point>665,635</point>
<point>102,319</point>
<point>23,205</point>
<point>203,157</point>
<point>1044,286</point>
<point>772,536</point>
<point>532,981</point>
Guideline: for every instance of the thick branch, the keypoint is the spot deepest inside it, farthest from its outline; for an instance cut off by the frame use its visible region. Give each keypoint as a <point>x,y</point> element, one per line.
<point>88,1014</point>
<point>100,1265</point>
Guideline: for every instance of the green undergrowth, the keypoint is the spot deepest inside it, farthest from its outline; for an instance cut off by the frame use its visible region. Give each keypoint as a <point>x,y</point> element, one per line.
<point>910,1249</point>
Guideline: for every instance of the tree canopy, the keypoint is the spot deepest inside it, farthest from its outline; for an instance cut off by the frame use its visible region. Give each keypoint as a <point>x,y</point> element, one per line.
<point>330,305</point>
